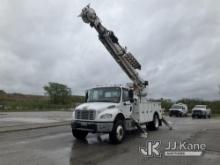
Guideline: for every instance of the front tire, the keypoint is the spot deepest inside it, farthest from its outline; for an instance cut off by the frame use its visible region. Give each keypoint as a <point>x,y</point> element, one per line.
<point>78,134</point>
<point>154,125</point>
<point>118,132</point>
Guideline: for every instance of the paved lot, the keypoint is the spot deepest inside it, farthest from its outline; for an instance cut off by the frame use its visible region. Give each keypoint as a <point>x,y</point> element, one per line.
<point>22,118</point>
<point>16,121</point>
<point>56,145</point>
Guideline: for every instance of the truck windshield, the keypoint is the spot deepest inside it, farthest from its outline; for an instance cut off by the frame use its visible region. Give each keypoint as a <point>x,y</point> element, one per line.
<point>107,94</point>
<point>176,107</point>
<point>200,106</point>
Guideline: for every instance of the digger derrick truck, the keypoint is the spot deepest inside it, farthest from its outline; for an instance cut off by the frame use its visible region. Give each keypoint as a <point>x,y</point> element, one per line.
<point>115,109</point>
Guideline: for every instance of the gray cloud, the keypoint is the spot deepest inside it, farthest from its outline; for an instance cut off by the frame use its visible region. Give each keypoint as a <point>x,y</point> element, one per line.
<point>177,43</point>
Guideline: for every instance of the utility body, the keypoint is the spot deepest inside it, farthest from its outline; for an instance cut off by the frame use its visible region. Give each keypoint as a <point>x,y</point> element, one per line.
<point>115,109</point>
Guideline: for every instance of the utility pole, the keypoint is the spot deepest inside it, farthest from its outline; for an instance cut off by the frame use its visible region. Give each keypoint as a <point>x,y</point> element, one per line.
<point>219,89</point>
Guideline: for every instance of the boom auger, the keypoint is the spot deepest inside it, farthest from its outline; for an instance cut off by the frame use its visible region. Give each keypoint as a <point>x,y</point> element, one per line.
<point>125,59</point>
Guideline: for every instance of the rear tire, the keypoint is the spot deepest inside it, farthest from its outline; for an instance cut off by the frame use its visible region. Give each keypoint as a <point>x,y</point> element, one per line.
<point>117,134</point>
<point>154,125</point>
<point>78,134</point>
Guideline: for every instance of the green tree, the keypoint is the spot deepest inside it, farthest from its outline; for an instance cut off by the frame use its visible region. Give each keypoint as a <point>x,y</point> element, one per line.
<point>2,92</point>
<point>166,103</point>
<point>58,93</point>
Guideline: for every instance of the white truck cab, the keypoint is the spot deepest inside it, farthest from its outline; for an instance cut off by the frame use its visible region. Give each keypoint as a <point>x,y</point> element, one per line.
<point>178,110</point>
<point>201,111</point>
<point>113,110</point>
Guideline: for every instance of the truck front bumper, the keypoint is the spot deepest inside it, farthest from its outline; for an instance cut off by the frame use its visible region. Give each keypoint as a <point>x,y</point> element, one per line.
<point>175,113</point>
<point>92,126</point>
<point>198,114</point>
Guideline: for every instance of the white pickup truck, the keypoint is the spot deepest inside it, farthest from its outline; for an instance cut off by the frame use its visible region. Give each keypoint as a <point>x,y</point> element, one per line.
<point>201,111</point>
<point>114,110</point>
<point>178,110</point>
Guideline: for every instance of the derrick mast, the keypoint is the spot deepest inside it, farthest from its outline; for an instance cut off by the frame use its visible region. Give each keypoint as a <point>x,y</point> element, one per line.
<point>125,59</point>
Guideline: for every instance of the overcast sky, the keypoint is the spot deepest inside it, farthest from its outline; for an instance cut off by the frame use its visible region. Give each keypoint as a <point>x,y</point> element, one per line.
<point>176,41</point>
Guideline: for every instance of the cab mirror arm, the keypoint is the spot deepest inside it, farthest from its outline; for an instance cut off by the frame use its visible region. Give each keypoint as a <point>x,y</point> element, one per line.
<point>86,96</point>
<point>131,96</point>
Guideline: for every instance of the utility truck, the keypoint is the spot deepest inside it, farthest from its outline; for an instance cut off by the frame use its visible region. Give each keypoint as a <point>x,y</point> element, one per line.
<point>115,109</point>
<point>201,111</point>
<point>178,110</point>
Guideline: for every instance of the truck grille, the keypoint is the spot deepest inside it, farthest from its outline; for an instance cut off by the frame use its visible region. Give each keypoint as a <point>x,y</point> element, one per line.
<point>85,114</point>
<point>197,112</point>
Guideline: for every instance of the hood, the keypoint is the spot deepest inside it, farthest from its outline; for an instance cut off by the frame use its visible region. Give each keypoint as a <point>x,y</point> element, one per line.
<point>198,109</point>
<point>96,106</point>
<point>175,109</point>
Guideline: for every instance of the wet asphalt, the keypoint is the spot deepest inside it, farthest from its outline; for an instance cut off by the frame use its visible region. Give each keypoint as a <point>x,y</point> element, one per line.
<point>56,146</point>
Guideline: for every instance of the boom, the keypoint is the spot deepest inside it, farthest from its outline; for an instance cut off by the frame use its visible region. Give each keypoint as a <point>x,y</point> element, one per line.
<point>125,59</point>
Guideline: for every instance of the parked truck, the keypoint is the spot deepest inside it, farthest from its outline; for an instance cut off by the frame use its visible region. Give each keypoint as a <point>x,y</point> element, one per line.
<point>201,111</point>
<point>115,109</point>
<point>178,110</point>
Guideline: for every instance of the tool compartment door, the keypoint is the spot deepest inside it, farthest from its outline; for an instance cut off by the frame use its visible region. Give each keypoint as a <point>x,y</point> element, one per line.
<point>144,112</point>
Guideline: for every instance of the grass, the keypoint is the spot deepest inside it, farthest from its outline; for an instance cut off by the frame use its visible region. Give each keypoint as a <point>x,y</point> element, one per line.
<point>21,105</point>
<point>216,115</point>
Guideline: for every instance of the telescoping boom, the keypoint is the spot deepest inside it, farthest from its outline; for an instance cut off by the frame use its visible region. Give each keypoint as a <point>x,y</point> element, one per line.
<point>125,59</point>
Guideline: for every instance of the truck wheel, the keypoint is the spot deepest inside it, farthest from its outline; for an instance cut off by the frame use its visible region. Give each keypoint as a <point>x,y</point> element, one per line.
<point>118,132</point>
<point>78,134</point>
<point>154,125</point>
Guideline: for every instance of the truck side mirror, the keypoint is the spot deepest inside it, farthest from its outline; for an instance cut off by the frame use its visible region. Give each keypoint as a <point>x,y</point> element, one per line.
<point>146,83</point>
<point>131,95</point>
<point>86,96</point>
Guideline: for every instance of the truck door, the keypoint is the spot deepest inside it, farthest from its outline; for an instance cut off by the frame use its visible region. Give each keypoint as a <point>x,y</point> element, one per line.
<point>126,104</point>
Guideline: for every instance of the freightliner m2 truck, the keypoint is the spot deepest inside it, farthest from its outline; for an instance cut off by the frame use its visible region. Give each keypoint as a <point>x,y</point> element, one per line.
<point>115,109</point>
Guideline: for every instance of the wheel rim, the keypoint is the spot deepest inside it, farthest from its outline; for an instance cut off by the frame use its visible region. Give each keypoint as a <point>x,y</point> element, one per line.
<point>156,122</point>
<point>120,132</point>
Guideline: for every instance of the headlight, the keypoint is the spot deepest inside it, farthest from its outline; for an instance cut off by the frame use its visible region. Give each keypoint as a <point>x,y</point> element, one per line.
<point>73,115</point>
<point>106,116</point>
